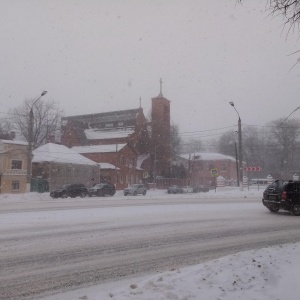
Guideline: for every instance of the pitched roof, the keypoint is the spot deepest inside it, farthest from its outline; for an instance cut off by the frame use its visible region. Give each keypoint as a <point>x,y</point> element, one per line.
<point>108,166</point>
<point>14,142</point>
<point>98,148</point>
<point>207,156</point>
<point>96,134</point>
<point>61,154</point>
<point>141,158</point>
<point>119,116</point>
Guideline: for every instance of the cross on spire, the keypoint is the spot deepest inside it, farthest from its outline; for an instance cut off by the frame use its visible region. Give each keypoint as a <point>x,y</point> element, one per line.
<point>160,93</point>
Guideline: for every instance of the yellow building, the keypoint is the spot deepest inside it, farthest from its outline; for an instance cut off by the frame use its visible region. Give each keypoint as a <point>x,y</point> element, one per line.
<point>13,166</point>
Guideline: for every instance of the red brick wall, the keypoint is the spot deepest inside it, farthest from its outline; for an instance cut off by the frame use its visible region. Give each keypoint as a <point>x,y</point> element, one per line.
<point>161,135</point>
<point>69,135</point>
<point>125,159</point>
<point>200,171</point>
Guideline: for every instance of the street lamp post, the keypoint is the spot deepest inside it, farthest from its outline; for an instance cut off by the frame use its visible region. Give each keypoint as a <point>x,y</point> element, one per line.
<point>289,115</point>
<point>240,147</point>
<point>30,142</point>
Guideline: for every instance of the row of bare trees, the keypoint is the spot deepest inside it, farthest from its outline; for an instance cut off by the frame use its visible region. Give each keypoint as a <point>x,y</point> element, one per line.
<point>275,147</point>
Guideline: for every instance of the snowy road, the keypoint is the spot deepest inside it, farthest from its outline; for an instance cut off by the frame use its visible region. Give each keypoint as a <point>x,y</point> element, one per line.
<point>50,246</point>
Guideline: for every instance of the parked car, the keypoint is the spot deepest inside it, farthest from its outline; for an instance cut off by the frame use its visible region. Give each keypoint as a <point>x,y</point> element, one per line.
<point>187,189</point>
<point>135,189</point>
<point>102,189</point>
<point>70,190</point>
<point>200,188</point>
<point>283,195</point>
<point>175,189</point>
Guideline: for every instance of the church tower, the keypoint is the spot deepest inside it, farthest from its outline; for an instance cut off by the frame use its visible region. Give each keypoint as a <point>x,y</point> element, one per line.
<point>161,140</point>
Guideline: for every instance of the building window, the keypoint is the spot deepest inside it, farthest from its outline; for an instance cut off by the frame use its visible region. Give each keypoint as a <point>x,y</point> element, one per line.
<point>166,112</point>
<point>109,125</point>
<point>120,124</point>
<point>16,164</point>
<point>68,171</point>
<point>39,171</point>
<point>15,185</point>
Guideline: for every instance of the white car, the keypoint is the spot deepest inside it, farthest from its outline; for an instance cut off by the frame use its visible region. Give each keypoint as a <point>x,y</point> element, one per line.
<point>135,189</point>
<point>187,189</point>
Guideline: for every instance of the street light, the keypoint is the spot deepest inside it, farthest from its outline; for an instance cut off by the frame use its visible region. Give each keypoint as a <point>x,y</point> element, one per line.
<point>289,115</point>
<point>240,147</point>
<point>30,141</point>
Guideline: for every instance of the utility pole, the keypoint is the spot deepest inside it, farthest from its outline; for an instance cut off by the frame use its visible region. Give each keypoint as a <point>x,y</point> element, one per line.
<point>237,166</point>
<point>240,147</point>
<point>241,153</point>
<point>30,142</point>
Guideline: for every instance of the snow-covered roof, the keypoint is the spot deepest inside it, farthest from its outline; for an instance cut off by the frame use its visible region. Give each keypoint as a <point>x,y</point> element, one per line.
<point>96,134</point>
<point>14,142</point>
<point>98,148</point>
<point>140,160</point>
<point>207,156</point>
<point>112,116</point>
<point>59,154</point>
<point>108,166</point>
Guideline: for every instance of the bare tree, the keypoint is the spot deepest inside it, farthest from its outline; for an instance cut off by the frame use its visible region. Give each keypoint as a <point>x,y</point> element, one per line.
<point>45,123</point>
<point>227,143</point>
<point>285,135</point>
<point>257,146</point>
<point>175,140</point>
<point>6,129</point>
<point>289,9</point>
<point>192,145</point>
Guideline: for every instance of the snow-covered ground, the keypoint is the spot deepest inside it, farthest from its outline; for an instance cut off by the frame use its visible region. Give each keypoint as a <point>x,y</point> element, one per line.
<point>269,273</point>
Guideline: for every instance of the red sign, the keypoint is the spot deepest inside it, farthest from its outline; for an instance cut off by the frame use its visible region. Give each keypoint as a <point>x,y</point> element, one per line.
<point>252,169</point>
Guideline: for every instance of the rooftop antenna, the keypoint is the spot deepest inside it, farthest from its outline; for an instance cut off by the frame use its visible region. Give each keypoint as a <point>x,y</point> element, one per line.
<point>160,93</point>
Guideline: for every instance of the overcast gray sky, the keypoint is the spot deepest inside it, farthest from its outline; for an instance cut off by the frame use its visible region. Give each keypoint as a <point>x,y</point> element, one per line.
<point>103,55</point>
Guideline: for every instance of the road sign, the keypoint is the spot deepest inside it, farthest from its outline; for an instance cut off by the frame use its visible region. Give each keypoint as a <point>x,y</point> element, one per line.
<point>145,175</point>
<point>252,169</point>
<point>214,172</point>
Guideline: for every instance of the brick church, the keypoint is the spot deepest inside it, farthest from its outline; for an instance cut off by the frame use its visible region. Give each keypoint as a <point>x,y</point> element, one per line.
<point>136,149</point>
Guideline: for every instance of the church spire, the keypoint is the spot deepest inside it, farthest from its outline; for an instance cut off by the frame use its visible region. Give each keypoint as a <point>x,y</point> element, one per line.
<point>160,93</point>
<point>140,102</point>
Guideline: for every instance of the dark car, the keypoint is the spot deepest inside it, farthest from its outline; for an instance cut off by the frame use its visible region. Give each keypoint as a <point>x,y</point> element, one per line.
<point>70,190</point>
<point>135,189</point>
<point>201,188</point>
<point>175,189</point>
<point>102,189</point>
<point>283,195</point>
